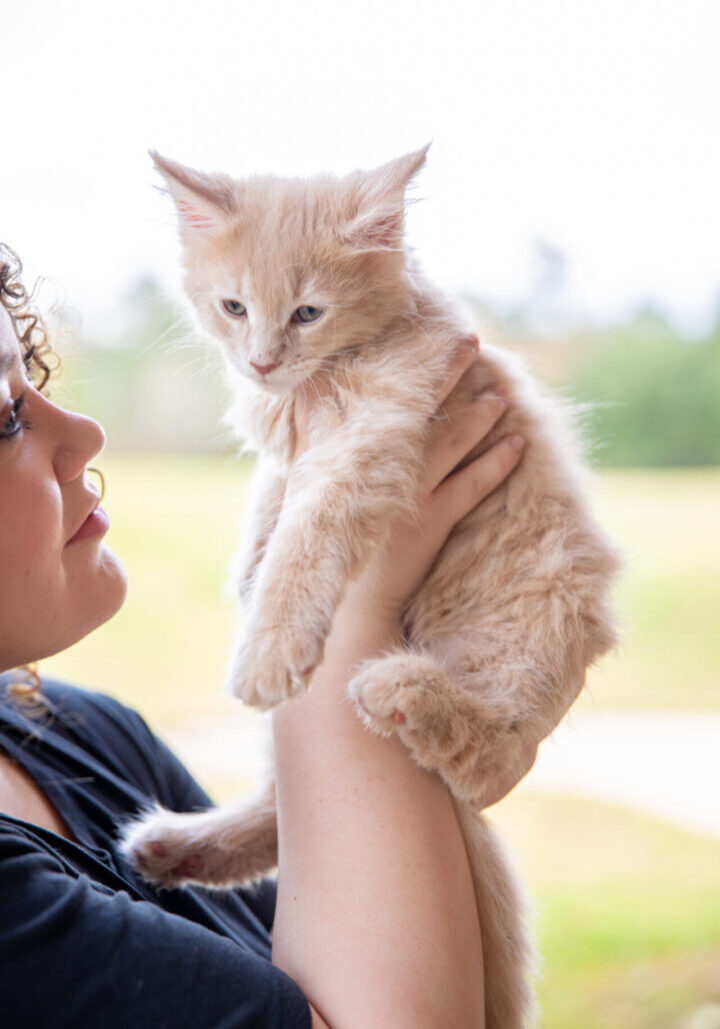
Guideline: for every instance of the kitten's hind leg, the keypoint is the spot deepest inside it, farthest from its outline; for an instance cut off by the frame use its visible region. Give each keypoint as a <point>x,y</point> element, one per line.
<point>470,740</point>
<point>222,847</point>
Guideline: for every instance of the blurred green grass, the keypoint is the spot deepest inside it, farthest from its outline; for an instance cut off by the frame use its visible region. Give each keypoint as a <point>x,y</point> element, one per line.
<point>665,522</point>
<point>176,520</point>
<point>629,908</point>
<point>628,913</point>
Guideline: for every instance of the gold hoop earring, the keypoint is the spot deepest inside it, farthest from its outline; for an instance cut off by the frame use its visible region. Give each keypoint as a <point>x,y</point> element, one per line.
<point>101,477</point>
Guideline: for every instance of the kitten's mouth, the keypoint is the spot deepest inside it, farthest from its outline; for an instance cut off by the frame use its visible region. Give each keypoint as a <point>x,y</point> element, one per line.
<point>275,384</point>
<point>286,378</point>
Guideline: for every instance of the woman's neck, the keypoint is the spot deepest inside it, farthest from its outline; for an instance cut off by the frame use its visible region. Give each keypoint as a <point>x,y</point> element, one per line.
<point>21,797</point>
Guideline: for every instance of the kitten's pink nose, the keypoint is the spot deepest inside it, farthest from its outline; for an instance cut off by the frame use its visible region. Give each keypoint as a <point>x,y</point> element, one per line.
<point>263,369</point>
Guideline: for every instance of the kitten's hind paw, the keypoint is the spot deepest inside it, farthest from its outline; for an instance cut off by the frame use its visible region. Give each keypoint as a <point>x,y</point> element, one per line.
<point>409,695</point>
<point>386,702</point>
<point>470,741</point>
<point>164,847</point>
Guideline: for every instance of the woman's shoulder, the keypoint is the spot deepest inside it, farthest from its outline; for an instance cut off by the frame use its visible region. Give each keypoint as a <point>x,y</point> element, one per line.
<point>87,716</point>
<point>62,700</point>
<point>107,731</point>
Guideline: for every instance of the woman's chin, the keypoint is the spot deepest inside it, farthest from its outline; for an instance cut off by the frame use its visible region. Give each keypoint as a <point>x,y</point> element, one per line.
<point>113,592</point>
<point>83,602</point>
<point>105,594</point>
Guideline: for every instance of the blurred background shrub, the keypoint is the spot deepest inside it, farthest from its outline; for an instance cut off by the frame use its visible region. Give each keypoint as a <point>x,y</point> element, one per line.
<point>649,395</point>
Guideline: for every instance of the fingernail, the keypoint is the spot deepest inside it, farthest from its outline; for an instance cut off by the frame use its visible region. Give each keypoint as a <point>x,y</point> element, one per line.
<point>497,391</point>
<point>516,442</point>
<point>471,341</point>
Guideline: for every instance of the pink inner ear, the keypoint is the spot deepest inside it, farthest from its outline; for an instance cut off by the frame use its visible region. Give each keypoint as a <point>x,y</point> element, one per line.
<point>380,228</point>
<point>388,228</point>
<point>192,216</point>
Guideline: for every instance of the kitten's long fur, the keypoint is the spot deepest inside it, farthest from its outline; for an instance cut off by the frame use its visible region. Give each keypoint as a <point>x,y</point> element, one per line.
<point>499,636</point>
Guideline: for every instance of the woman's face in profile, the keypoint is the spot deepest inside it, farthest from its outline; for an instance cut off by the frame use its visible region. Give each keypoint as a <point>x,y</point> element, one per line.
<point>57,579</point>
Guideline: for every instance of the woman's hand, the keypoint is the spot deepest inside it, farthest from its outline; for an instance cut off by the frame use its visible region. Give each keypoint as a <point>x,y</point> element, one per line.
<point>377,596</point>
<point>442,499</point>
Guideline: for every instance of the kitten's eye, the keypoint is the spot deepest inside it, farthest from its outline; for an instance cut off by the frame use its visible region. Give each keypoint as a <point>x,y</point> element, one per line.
<point>235,308</point>
<point>306,314</point>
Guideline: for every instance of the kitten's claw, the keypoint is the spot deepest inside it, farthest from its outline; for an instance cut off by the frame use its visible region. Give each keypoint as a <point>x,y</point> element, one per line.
<point>162,847</point>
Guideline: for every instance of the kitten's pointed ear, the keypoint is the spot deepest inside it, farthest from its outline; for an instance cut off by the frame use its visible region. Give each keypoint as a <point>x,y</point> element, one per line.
<point>204,202</point>
<point>378,224</point>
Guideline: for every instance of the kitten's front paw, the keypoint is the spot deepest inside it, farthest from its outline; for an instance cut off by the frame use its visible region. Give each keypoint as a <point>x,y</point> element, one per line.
<point>271,667</point>
<point>163,846</point>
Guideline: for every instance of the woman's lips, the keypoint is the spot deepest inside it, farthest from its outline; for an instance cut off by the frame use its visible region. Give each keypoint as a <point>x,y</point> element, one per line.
<point>97,523</point>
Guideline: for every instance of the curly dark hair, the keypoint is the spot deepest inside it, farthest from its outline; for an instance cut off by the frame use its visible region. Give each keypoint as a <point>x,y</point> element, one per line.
<point>41,363</point>
<point>30,329</point>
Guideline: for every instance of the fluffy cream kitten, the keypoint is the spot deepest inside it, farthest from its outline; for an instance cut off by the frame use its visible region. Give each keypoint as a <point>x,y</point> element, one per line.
<point>294,276</point>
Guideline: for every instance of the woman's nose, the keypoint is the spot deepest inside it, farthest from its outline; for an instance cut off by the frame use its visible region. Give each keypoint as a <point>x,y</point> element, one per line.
<point>78,443</point>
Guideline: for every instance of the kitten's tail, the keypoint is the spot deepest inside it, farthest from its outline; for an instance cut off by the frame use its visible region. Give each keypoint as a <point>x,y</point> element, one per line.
<point>509,956</point>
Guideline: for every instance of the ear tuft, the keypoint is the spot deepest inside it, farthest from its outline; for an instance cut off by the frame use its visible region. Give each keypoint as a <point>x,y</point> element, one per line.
<point>400,172</point>
<point>379,222</point>
<point>204,202</point>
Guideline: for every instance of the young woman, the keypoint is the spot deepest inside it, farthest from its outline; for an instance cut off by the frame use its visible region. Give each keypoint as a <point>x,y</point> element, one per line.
<point>373,919</point>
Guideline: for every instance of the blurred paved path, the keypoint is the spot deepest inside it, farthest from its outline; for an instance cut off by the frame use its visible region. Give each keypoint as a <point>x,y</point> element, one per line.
<point>666,763</point>
<point>663,763</point>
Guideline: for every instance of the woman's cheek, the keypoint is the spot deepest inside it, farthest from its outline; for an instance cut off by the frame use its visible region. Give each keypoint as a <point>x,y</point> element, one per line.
<point>34,534</point>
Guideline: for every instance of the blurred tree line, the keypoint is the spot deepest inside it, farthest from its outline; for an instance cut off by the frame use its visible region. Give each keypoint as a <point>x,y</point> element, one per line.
<point>653,397</point>
<point>649,396</point>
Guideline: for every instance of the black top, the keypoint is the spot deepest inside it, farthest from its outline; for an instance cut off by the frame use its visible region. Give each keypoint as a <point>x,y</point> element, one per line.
<point>84,941</point>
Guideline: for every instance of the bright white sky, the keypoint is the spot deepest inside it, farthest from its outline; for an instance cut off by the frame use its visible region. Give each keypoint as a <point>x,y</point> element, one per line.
<point>592,124</point>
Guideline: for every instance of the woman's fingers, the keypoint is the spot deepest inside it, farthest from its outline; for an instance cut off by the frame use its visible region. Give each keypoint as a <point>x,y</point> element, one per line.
<point>464,490</point>
<point>469,421</point>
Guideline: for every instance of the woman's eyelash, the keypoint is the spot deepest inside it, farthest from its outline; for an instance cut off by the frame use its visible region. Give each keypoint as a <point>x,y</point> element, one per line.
<point>13,424</point>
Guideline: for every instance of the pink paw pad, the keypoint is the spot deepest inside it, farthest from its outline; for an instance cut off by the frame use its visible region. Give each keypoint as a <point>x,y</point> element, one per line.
<point>158,849</point>
<point>188,866</point>
<point>398,716</point>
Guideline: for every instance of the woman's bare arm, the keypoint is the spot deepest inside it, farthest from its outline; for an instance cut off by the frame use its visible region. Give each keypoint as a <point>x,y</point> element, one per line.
<point>376,917</point>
